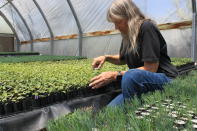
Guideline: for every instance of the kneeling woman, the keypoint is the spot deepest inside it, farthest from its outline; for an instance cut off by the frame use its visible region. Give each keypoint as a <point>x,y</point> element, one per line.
<point>143,49</point>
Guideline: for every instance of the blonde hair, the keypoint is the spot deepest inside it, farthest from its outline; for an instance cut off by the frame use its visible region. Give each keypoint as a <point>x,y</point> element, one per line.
<point>126,9</point>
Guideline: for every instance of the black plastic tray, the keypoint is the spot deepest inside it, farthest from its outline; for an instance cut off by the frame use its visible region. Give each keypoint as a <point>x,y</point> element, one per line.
<point>37,119</point>
<point>186,68</point>
<point>19,53</point>
<point>34,102</point>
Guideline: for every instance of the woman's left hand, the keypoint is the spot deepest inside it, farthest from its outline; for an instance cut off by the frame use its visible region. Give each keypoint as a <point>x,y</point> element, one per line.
<point>102,79</point>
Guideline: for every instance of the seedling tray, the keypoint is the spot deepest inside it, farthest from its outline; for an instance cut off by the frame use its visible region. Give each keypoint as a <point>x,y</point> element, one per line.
<point>35,102</point>
<point>186,68</point>
<point>18,53</point>
<point>38,118</point>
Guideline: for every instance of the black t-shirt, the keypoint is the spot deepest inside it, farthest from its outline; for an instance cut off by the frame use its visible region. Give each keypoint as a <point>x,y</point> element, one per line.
<point>151,47</point>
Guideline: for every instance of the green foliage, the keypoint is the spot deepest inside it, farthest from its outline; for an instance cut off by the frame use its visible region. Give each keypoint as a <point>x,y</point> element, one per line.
<point>175,61</point>
<point>61,74</point>
<point>180,61</point>
<point>20,80</point>
<point>181,90</point>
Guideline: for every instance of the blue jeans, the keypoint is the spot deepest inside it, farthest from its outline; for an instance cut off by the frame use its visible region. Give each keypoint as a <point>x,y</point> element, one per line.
<point>136,81</point>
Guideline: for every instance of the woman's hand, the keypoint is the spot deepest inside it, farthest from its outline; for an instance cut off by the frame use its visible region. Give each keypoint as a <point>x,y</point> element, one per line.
<point>103,79</point>
<point>98,62</point>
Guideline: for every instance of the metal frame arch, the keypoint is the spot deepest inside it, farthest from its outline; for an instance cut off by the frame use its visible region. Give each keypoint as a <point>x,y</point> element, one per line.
<point>194,32</point>
<point>4,5</point>
<point>12,28</point>
<point>78,25</point>
<point>25,23</point>
<point>48,25</point>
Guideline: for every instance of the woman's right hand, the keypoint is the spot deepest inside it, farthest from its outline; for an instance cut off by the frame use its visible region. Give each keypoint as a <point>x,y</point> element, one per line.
<point>98,62</point>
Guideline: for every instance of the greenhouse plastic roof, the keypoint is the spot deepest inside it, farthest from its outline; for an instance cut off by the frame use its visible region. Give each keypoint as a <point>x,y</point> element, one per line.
<point>4,28</point>
<point>29,23</point>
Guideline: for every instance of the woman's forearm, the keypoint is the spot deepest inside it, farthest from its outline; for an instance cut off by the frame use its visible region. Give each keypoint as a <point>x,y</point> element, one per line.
<point>150,66</point>
<point>114,59</point>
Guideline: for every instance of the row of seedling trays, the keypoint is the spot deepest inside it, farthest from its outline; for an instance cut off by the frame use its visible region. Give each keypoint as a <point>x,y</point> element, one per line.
<point>184,69</point>
<point>35,102</point>
<point>181,120</point>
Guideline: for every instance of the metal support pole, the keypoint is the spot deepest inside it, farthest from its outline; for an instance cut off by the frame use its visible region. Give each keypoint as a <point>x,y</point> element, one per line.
<point>13,30</point>
<point>194,23</point>
<point>25,23</point>
<point>47,23</point>
<point>4,5</point>
<point>78,25</point>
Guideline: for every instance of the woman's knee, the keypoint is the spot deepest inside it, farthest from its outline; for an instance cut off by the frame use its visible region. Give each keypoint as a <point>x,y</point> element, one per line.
<point>133,74</point>
<point>130,78</point>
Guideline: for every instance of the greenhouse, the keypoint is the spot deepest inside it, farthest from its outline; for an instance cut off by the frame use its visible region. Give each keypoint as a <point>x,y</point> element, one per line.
<point>53,54</point>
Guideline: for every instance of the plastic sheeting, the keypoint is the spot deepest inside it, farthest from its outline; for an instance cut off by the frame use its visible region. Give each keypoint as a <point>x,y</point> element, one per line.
<point>2,3</point>
<point>96,46</point>
<point>66,47</point>
<point>33,120</point>
<point>62,47</point>
<point>4,28</point>
<point>179,45</point>
<point>59,16</point>
<point>92,14</point>
<point>16,21</point>
<point>25,48</point>
<point>38,118</point>
<point>42,47</point>
<point>33,18</point>
<point>166,11</point>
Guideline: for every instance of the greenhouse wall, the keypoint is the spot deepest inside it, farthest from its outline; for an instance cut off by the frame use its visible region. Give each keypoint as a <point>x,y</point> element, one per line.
<point>42,47</point>
<point>25,48</point>
<point>66,47</point>
<point>101,45</point>
<point>178,42</point>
